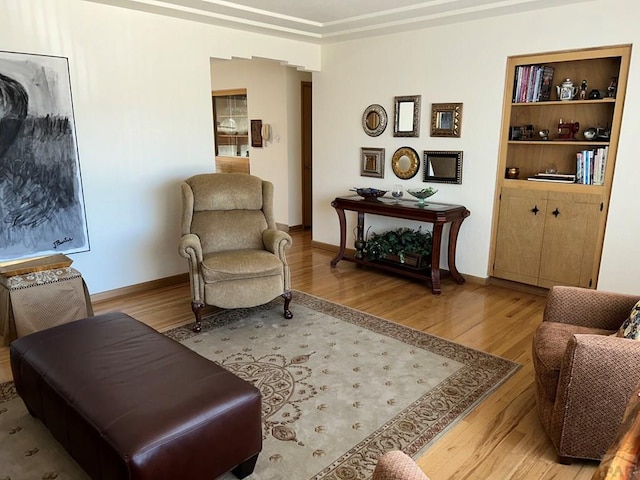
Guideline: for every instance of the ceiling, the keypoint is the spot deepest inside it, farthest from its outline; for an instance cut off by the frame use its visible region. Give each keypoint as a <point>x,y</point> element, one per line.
<point>325,21</point>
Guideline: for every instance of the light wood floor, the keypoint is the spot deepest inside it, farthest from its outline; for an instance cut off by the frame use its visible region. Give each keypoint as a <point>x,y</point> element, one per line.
<point>502,438</point>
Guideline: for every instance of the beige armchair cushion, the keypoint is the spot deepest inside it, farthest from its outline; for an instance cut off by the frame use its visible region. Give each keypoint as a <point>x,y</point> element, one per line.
<point>239,265</point>
<point>234,229</point>
<point>212,192</point>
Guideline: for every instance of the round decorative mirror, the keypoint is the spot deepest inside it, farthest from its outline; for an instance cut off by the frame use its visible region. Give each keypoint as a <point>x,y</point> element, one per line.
<point>374,120</point>
<point>405,163</point>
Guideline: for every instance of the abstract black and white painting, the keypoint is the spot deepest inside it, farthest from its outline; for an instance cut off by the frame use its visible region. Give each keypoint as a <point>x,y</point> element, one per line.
<point>41,199</point>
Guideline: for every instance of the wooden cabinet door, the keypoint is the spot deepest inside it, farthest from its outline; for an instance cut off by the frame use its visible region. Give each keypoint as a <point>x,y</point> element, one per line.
<point>519,235</point>
<point>570,238</point>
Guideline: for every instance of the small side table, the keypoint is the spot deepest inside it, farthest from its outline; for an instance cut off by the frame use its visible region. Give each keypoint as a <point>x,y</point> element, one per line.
<point>34,301</point>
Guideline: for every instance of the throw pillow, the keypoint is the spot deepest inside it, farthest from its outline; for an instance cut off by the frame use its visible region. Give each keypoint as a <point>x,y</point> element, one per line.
<point>631,326</point>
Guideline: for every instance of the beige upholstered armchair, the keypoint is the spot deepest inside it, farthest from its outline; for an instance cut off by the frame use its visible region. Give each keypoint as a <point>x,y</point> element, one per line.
<point>584,374</point>
<point>236,255</point>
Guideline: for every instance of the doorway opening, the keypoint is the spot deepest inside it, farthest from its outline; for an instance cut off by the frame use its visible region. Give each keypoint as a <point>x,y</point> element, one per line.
<point>231,130</point>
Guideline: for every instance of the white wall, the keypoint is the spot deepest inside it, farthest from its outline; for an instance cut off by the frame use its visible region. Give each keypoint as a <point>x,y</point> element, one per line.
<point>141,88</point>
<point>273,96</point>
<point>466,63</point>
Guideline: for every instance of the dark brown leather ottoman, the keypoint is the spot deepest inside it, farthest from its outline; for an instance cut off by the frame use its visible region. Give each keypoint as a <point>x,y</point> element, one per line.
<point>129,403</point>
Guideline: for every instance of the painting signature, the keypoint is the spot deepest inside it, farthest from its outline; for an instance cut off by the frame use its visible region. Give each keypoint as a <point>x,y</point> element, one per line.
<point>57,243</point>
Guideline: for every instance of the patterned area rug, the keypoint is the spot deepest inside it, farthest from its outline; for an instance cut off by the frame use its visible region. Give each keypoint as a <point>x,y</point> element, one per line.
<point>339,386</point>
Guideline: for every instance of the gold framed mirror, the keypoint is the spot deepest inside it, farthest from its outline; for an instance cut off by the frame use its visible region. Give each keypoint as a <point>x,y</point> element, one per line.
<point>374,120</point>
<point>407,116</point>
<point>405,163</point>
<point>446,119</point>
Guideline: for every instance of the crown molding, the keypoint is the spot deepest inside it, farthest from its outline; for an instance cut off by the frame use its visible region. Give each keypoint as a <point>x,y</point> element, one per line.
<point>344,26</point>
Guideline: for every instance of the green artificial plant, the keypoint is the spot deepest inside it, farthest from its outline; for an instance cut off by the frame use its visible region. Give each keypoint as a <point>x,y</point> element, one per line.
<point>400,242</point>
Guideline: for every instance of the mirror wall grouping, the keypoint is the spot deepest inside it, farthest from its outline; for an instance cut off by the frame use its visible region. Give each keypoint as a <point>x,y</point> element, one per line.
<point>438,166</point>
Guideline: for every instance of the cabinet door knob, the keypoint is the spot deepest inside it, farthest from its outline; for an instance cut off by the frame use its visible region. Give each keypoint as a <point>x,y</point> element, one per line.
<point>535,210</point>
<point>556,212</point>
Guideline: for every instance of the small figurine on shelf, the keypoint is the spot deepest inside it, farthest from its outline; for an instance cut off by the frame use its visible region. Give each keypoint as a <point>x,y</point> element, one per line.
<point>544,134</point>
<point>567,131</point>
<point>613,87</point>
<point>594,94</point>
<point>583,90</point>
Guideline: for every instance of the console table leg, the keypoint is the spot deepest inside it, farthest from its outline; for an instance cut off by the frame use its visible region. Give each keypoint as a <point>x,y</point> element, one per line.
<point>343,235</point>
<point>435,258</point>
<point>359,243</point>
<point>453,241</point>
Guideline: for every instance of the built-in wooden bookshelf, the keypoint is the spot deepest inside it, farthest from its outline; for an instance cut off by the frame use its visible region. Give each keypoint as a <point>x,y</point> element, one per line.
<point>550,233</point>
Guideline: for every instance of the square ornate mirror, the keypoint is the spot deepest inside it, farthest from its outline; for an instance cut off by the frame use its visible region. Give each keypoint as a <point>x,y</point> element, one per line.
<point>446,119</point>
<point>407,116</point>
<point>372,162</point>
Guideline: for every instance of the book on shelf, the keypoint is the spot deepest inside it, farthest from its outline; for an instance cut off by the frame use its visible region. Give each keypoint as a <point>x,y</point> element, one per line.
<point>532,83</point>
<point>553,177</point>
<point>546,84</point>
<point>591,165</point>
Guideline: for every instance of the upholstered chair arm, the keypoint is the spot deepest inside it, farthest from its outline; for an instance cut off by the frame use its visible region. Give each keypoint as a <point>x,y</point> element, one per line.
<point>277,242</point>
<point>597,376</point>
<point>191,248</point>
<point>588,308</point>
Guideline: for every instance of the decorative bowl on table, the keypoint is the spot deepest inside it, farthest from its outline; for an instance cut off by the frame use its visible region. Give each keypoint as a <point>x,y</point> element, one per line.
<point>369,193</point>
<point>421,193</point>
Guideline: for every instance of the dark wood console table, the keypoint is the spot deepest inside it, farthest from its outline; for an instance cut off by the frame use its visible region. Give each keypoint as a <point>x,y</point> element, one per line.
<point>438,214</point>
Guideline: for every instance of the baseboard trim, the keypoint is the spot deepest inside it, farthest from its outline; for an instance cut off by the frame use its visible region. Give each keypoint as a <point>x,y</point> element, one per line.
<point>184,278</point>
<point>158,283</point>
<point>331,248</point>
<point>289,228</point>
<point>484,281</point>
<point>140,287</point>
<point>521,287</point>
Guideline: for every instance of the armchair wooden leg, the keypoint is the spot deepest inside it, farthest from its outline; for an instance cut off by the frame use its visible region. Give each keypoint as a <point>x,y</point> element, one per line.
<point>196,308</point>
<point>287,300</point>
